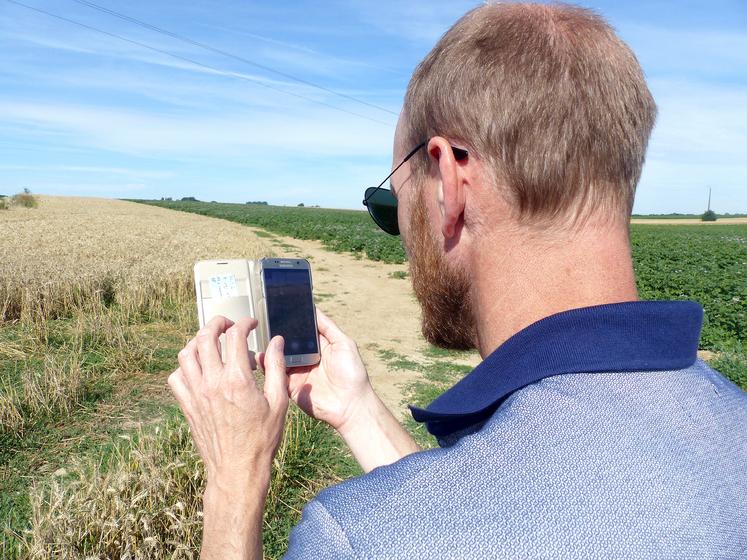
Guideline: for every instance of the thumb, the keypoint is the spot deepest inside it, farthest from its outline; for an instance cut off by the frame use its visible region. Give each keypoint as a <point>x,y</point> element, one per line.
<point>276,381</point>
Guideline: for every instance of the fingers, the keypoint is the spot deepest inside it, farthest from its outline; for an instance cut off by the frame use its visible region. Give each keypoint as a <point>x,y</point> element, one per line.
<point>276,381</point>
<point>328,328</point>
<point>178,386</point>
<point>323,343</point>
<point>189,364</point>
<point>237,349</point>
<point>208,347</point>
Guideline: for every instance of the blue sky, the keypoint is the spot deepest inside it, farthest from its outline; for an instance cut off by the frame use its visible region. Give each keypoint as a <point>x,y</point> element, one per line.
<point>86,114</point>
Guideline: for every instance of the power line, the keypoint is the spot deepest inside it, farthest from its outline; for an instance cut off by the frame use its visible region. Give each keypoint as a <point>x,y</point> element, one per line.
<point>194,62</point>
<point>228,54</point>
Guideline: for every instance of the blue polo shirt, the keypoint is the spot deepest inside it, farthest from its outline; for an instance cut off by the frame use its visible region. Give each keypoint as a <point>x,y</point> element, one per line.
<point>593,433</point>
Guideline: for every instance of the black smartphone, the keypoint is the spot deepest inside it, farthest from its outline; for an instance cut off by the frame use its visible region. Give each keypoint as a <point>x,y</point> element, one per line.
<point>288,293</point>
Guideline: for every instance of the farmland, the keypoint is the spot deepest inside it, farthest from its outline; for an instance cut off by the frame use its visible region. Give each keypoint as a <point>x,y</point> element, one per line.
<point>339,230</point>
<point>95,457</point>
<point>96,299</point>
<point>705,263</point>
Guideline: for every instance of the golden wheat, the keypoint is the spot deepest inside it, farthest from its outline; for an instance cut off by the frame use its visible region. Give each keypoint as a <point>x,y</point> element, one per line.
<point>74,258</point>
<point>70,251</point>
<point>146,503</point>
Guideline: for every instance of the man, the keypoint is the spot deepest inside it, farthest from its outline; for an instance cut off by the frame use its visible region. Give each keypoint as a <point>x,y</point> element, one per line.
<point>590,430</point>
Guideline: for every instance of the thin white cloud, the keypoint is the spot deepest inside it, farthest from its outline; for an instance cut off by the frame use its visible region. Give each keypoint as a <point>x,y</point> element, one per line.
<point>699,121</point>
<point>699,141</point>
<point>312,131</point>
<point>109,48</point>
<point>419,21</point>
<point>687,51</point>
<point>104,189</point>
<point>90,169</point>
<point>316,60</point>
<point>102,100</point>
<point>244,87</point>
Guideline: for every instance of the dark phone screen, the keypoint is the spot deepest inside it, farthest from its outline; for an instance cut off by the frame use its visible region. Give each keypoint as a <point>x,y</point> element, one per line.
<point>290,309</point>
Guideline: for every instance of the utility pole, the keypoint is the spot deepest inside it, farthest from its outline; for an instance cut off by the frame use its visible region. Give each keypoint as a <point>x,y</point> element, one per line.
<point>709,199</point>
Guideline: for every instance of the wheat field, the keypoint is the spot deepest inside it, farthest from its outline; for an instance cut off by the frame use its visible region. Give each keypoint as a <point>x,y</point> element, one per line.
<point>70,251</point>
<point>96,297</point>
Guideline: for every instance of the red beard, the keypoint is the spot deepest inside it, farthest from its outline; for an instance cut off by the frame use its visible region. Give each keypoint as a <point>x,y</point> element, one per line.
<point>448,320</point>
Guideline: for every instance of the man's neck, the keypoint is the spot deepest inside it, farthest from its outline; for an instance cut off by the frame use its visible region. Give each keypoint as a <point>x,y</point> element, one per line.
<point>532,278</point>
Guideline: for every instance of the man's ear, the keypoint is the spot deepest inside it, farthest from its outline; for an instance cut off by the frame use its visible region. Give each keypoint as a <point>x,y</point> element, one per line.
<point>451,193</point>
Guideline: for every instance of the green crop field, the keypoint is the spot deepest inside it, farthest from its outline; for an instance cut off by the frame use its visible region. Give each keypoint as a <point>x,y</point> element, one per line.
<point>707,264</point>
<point>339,230</point>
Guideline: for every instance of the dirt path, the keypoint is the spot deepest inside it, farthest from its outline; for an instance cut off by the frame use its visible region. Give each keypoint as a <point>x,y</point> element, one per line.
<point>377,310</point>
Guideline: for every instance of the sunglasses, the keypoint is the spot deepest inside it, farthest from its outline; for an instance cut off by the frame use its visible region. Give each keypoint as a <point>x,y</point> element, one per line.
<point>381,203</point>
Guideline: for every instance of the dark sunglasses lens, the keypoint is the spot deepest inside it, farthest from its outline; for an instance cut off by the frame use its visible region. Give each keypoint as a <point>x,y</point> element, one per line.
<point>383,209</point>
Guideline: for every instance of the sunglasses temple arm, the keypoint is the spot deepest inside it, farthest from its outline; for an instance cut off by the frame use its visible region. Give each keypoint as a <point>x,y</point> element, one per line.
<point>407,157</point>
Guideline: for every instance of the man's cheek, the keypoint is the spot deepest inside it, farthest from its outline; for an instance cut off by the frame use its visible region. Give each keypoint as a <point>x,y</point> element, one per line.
<point>403,220</point>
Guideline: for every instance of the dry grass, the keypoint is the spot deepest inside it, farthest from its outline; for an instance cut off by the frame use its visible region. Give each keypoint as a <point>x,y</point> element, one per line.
<point>81,282</point>
<point>102,264</point>
<point>90,290</point>
<point>71,251</point>
<point>52,379</point>
<point>145,503</point>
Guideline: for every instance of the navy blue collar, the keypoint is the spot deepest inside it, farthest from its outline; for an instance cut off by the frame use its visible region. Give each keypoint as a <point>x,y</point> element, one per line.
<point>631,336</point>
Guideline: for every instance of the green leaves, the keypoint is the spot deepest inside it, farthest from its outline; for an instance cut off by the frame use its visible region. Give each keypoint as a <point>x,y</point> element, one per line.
<point>707,264</point>
<point>340,230</point>
<point>704,263</point>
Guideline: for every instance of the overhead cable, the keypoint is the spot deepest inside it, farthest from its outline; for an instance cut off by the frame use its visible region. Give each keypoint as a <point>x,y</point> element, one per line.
<point>196,63</point>
<point>216,50</point>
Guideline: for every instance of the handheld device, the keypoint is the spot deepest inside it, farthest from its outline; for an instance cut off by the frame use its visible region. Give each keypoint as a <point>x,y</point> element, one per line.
<point>275,291</point>
<point>290,310</point>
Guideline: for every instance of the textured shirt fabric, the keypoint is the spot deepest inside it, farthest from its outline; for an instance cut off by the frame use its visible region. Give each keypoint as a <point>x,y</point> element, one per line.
<point>618,464</point>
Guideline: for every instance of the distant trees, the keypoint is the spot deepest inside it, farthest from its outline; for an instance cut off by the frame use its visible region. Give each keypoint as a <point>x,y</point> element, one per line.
<point>300,204</point>
<point>709,216</point>
<point>262,202</point>
<point>189,199</point>
<point>24,199</point>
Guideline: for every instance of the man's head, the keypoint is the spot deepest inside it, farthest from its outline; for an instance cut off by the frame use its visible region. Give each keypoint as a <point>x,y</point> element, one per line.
<point>554,111</point>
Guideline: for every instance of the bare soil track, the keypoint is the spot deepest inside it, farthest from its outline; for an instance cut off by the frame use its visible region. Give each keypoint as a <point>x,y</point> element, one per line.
<point>373,306</point>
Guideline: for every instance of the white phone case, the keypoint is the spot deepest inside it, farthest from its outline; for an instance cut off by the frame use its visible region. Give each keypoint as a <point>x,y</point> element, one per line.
<point>232,288</point>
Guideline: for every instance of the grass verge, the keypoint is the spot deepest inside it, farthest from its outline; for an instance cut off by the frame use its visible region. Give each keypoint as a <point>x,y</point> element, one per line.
<point>439,370</point>
<point>100,462</point>
<point>671,262</point>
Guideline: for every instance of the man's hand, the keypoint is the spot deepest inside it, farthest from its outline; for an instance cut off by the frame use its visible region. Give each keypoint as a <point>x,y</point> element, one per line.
<point>333,389</point>
<point>236,427</point>
<point>338,392</point>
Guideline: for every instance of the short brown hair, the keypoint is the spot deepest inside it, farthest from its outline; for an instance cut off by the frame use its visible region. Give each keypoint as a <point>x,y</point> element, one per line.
<point>548,96</point>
